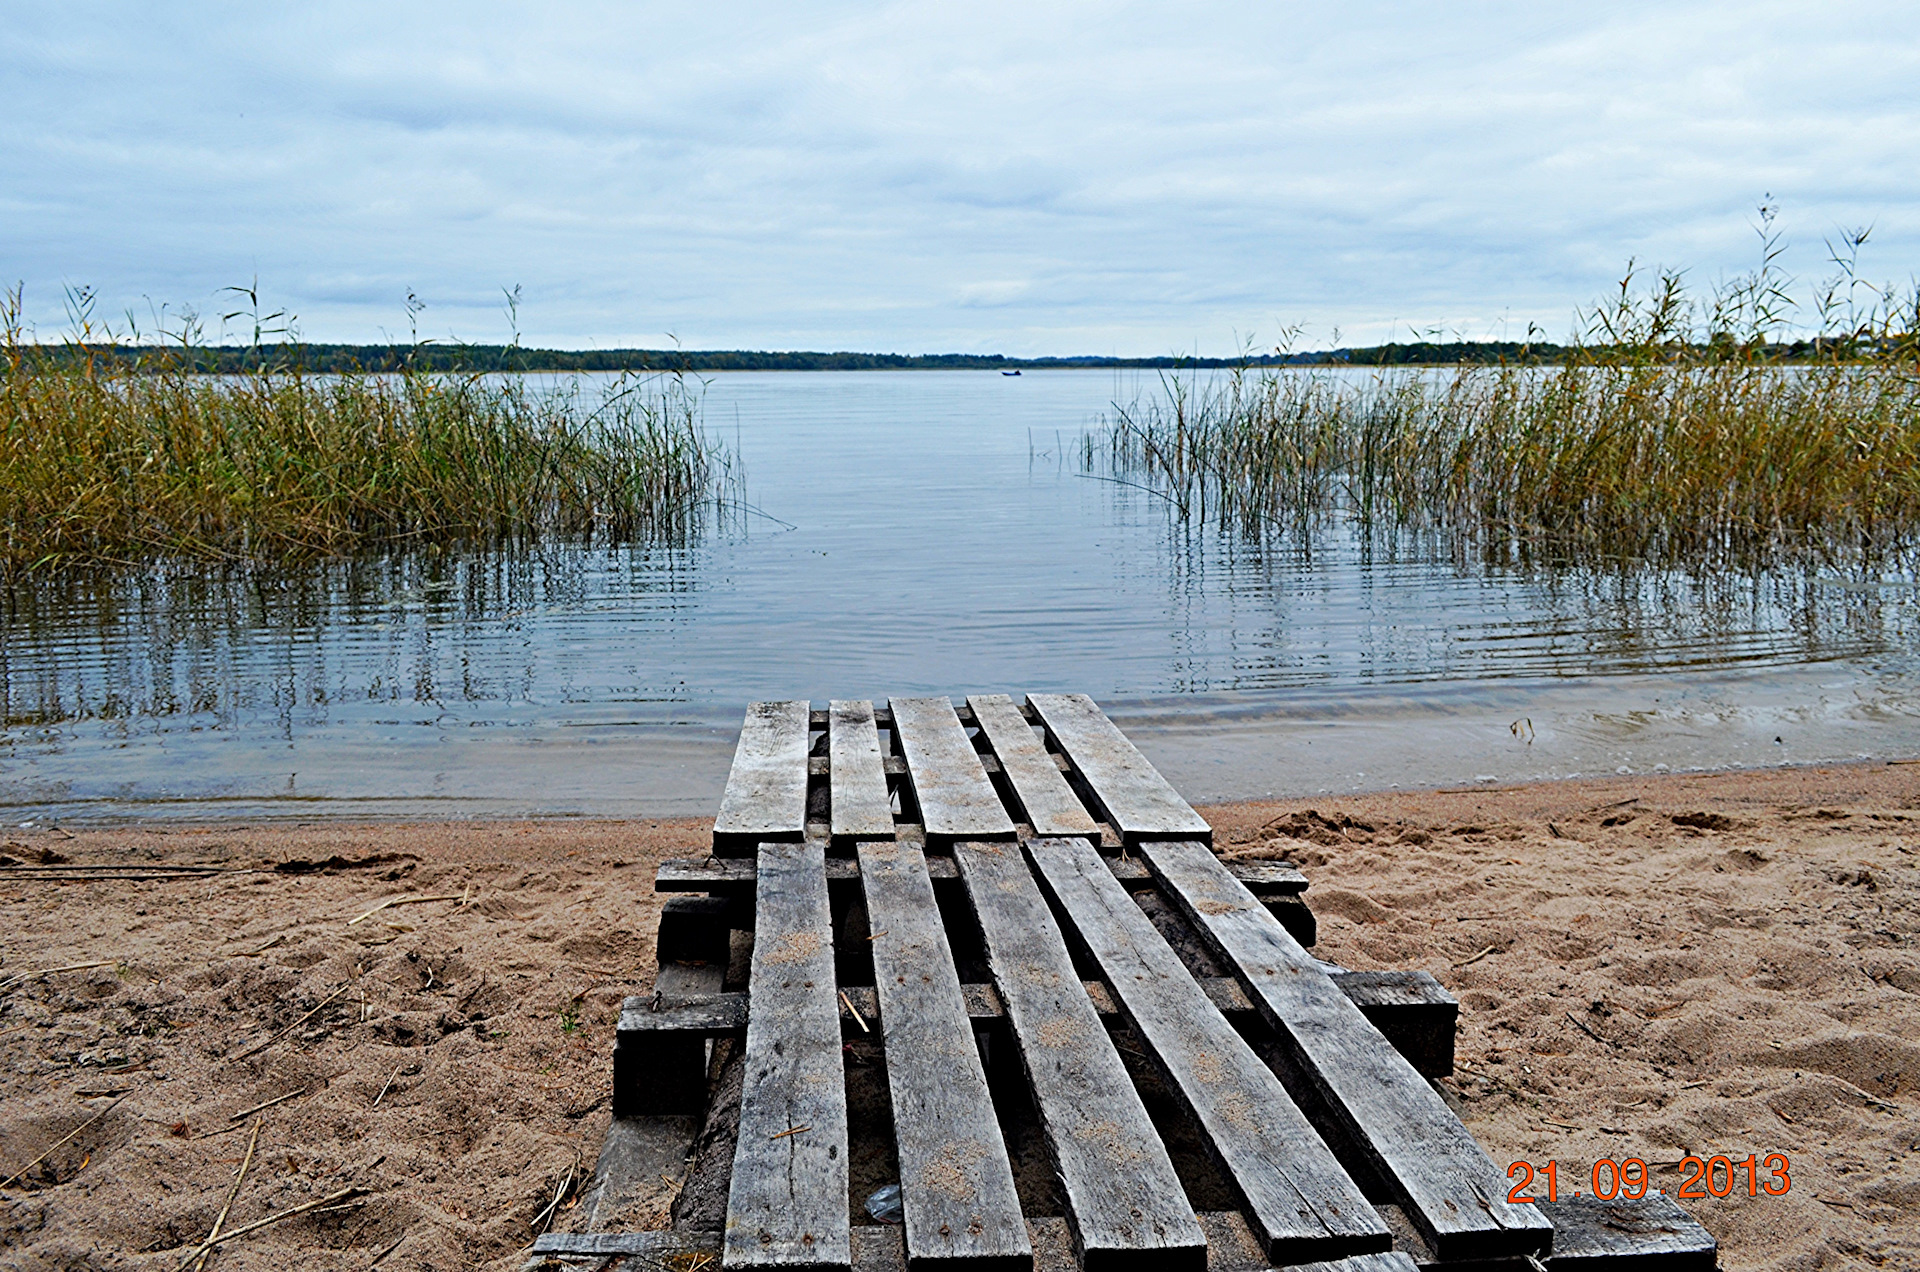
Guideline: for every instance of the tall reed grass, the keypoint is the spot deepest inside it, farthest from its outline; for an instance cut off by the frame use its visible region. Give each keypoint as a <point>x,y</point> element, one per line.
<point>1652,445</point>
<point>103,461</point>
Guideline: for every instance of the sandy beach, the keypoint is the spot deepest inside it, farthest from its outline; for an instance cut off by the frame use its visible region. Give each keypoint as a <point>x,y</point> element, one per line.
<point>1647,967</point>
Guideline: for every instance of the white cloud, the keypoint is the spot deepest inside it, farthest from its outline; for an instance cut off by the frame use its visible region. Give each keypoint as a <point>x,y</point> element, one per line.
<point>1083,178</point>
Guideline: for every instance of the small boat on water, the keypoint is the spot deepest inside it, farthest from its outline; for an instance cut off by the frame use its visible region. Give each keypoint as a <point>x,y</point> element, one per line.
<point>1014,372</point>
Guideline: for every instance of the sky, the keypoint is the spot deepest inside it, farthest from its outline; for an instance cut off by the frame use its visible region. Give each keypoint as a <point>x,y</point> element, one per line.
<point>1069,178</point>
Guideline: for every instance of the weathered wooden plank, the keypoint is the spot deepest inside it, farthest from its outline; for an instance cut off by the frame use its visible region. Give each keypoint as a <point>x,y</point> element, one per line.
<point>1410,1009</point>
<point>1124,1202</point>
<point>956,1186</point>
<point>1046,801</point>
<point>878,1249</point>
<point>1384,1108</point>
<point>659,1069</point>
<point>1126,790</point>
<point>1295,916</point>
<point>1299,1200</point>
<point>1384,1261</point>
<point>787,1202</point>
<point>734,876</point>
<point>766,795</point>
<point>1269,878</point>
<point>694,930</point>
<point>1591,1235</point>
<point>860,807</point>
<point>956,798</point>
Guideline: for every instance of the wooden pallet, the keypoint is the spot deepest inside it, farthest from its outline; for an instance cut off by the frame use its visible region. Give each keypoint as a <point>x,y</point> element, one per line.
<point>1010,913</point>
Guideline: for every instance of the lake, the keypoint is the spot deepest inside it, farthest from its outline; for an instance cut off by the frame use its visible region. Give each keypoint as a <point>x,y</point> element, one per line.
<point>915,532</point>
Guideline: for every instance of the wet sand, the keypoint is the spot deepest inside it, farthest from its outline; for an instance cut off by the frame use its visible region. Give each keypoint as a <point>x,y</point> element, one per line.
<point>1648,967</point>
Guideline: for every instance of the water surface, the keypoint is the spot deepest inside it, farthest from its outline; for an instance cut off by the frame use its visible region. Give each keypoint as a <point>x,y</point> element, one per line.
<point>917,532</point>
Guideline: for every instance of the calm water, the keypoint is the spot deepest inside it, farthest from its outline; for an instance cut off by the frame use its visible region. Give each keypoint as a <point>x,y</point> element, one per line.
<point>941,541</point>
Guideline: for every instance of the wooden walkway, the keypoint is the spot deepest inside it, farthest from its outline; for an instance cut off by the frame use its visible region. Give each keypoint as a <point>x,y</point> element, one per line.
<point>1025,926</point>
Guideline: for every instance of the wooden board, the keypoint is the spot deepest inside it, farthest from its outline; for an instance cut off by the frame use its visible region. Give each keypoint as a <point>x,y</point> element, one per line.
<point>956,1185</point>
<point>1409,1009</point>
<point>956,798</point>
<point>1591,1235</point>
<point>1412,1010</point>
<point>1652,1235</point>
<point>1450,1188</point>
<point>787,1203</point>
<point>1387,1261</point>
<point>879,1249</point>
<point>859,807</point>
<point>766,795</point>
<point>1300,1202</point>
<point>1046,801</point>
<point>1124,1202</point>
<point>734,876</point>
<point>1126,790</point>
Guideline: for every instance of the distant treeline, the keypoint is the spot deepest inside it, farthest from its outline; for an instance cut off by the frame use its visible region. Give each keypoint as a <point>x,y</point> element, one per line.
<point>345,358</point>
<point>434,358</point>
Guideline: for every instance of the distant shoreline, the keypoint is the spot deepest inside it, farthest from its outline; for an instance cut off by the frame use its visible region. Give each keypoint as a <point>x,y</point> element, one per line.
<point>345,358</point>
<point>339,358</point>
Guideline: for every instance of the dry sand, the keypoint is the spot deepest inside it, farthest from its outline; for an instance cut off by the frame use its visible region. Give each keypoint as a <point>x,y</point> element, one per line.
<point>1647,967</point>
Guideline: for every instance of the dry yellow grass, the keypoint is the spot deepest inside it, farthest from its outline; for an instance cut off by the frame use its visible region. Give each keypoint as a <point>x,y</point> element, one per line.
<point>107,460</point>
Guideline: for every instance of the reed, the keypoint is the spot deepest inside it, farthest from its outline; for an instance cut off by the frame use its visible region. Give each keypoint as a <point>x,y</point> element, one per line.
<point>106,461</point>
<point>1653,446</point>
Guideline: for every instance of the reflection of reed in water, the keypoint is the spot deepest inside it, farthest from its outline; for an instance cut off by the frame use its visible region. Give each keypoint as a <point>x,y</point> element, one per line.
<point>233,646</point>
<point>1350,607</point>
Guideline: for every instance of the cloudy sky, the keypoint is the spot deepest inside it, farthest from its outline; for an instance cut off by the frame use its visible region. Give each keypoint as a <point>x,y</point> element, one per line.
<point>1030,179</point>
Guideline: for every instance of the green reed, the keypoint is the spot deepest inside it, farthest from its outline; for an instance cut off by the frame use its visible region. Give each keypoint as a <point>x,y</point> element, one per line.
<point>108,459</point>
<point>1652,446</point>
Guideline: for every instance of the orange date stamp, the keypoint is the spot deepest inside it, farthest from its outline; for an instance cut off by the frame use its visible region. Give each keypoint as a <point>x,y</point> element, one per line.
<point>1700,1178</point>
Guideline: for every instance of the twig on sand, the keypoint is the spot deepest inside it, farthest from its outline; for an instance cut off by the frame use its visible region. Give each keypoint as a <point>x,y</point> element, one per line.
<point>63,1141</point>
<point>1491,949</point>
<point>232,1192</point>
<point>331,1199</point>
<point>392,1246</point>
<point>387,1085</point>
<point>23,977</point>
<point>1583,1027</point>
<point>48,874</point>
<point>392,901</point>
<point>326,1002</point>
<point>267,1104</point>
